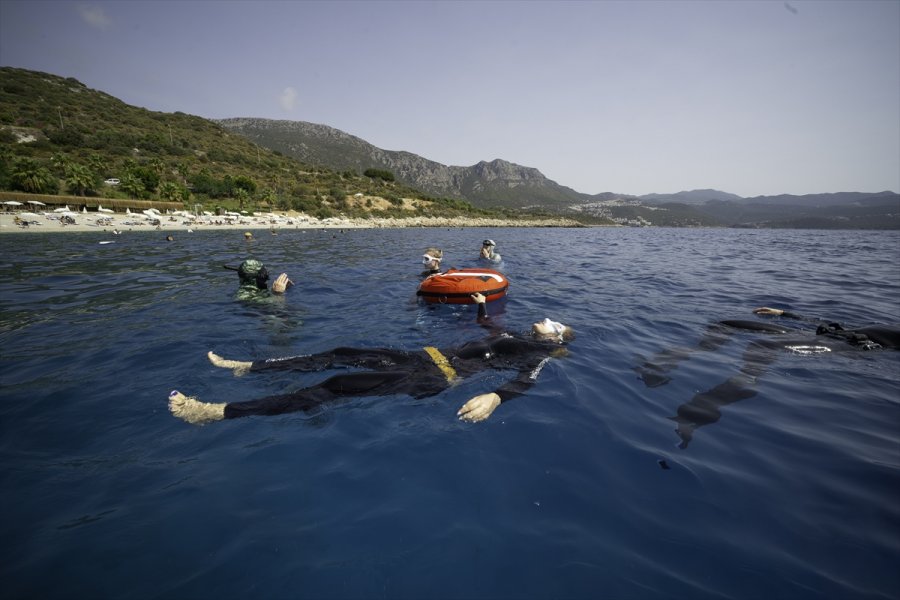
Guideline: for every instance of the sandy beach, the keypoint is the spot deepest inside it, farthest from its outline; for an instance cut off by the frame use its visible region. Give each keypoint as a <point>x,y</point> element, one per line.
<point>54,222</point>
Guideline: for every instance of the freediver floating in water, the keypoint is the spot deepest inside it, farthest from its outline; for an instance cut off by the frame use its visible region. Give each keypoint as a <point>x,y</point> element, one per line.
<point>704,407</point>
<point>254,281</point>
<point>419,374</point>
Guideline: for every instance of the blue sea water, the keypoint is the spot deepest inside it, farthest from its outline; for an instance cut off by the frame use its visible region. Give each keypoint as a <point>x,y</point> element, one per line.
<point>562,493</point>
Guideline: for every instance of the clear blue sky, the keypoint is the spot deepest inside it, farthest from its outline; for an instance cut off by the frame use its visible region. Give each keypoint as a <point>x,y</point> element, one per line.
<point>752,98</point>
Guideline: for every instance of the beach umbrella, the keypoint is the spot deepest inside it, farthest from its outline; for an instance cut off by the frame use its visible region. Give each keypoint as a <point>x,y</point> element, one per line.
<point>62,210</point>
<point>104,210</point>
<point>36,203</point>
<point>12,203</point>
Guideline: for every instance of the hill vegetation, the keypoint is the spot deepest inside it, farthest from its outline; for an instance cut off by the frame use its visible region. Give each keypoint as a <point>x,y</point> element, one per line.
<point>57,136</point>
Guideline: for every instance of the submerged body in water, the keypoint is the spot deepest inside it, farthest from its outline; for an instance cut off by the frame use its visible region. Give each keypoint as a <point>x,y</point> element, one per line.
<point>704,407</point>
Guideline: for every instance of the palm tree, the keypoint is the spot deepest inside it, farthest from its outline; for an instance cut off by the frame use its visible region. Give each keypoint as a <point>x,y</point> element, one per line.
<point>132,185</point>
<point>171,191</point>
<point>242,195</point>
<point>29,176</point>
<point>79,178</point>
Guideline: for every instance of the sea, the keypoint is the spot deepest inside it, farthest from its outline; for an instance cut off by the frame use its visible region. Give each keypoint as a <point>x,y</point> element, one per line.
<point>580,488</point>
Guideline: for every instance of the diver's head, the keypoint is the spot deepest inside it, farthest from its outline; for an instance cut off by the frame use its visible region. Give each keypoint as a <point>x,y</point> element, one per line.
<point>253,272</point>
<point>488,244</point>
<point>432,258</point>
<point>552,330</point>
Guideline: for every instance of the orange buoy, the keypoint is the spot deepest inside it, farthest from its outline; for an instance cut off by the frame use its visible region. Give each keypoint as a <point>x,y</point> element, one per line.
<point>456,286</point>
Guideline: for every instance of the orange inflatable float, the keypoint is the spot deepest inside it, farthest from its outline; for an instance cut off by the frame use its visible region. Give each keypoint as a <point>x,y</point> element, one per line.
<point>456,286</point>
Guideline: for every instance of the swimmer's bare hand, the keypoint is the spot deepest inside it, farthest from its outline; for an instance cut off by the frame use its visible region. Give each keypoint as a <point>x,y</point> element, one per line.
<point>765,310</point>
<point>281,284</point>
<point>478,298</point>
<point>478,408</point>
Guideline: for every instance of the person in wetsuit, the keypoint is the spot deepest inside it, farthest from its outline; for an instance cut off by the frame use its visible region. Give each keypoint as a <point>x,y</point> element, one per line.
<point>254,277</point>
<point>419,374</point>
<point>488,253</point>
<point>704,407</point>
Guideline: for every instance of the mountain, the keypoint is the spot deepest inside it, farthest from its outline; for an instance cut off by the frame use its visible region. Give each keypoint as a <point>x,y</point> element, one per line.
<point>59,137</point>
<point>692,197</point>
<point>497,183</point>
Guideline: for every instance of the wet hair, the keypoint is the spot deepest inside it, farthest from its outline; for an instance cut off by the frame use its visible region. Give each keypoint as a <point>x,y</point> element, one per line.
<point>435,252</point>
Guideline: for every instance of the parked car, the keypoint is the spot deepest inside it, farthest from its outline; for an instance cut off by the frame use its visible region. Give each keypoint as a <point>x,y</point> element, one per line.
<point>112,181</point>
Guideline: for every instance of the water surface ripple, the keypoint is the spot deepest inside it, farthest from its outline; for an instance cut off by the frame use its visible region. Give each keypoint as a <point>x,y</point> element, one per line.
<point>563,493</point>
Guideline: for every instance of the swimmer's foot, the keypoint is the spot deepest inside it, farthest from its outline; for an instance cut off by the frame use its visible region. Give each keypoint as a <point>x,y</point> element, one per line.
<point>193,411</point>
<point>239,367</point>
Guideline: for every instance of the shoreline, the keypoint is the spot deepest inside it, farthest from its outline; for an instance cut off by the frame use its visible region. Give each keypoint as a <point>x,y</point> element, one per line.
<point>49,222</point>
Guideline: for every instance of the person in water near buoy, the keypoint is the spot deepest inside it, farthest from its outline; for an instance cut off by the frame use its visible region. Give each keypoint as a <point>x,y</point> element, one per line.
<point>254,278</point>
<point>432,261</point>
<point>487,251</point>
<point>703,408</point>
<point>419,374</point>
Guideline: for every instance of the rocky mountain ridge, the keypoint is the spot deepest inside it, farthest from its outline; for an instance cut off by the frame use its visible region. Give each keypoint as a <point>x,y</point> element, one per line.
<point>499,183</point>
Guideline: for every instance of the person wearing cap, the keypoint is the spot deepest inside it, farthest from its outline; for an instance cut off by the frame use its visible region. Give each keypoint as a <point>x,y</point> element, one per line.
<point>487,251</point>
<point>389,372</point>
<point>432,261</point>
<point>254,278</point>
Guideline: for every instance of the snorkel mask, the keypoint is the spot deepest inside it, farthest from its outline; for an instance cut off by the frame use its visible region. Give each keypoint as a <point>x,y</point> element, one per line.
<point>555,326</point>
<point>427,259</point>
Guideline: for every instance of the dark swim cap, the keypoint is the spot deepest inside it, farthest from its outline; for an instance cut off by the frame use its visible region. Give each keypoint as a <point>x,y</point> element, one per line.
<point>253,271</point>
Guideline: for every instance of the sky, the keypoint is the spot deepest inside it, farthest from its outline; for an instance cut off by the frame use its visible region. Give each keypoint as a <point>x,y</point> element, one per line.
<point>752,98</point>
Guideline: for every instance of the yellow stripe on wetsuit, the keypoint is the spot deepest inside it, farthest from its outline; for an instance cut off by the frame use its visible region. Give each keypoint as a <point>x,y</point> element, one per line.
<point>441,362</point>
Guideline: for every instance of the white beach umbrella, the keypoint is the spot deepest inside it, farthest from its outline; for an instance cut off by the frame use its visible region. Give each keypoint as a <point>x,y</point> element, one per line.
<point>36,203</point>
<point>104,210</point>
<point>12,203</point>
<point>62,210</point>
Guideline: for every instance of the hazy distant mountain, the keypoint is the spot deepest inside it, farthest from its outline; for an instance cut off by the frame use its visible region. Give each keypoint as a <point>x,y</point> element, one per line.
<point>813,200</point>
<point>691,197</point>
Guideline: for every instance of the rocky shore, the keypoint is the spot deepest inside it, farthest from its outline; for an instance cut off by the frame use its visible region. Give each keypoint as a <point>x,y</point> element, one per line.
<point>52,222</point>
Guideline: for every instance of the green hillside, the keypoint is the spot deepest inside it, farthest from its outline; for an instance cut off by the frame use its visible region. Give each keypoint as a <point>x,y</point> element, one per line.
<point>57,136</point>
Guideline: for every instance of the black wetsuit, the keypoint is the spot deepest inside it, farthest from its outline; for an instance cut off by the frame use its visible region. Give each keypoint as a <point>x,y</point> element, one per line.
<point>388,372</point>
<point>704,407</point>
